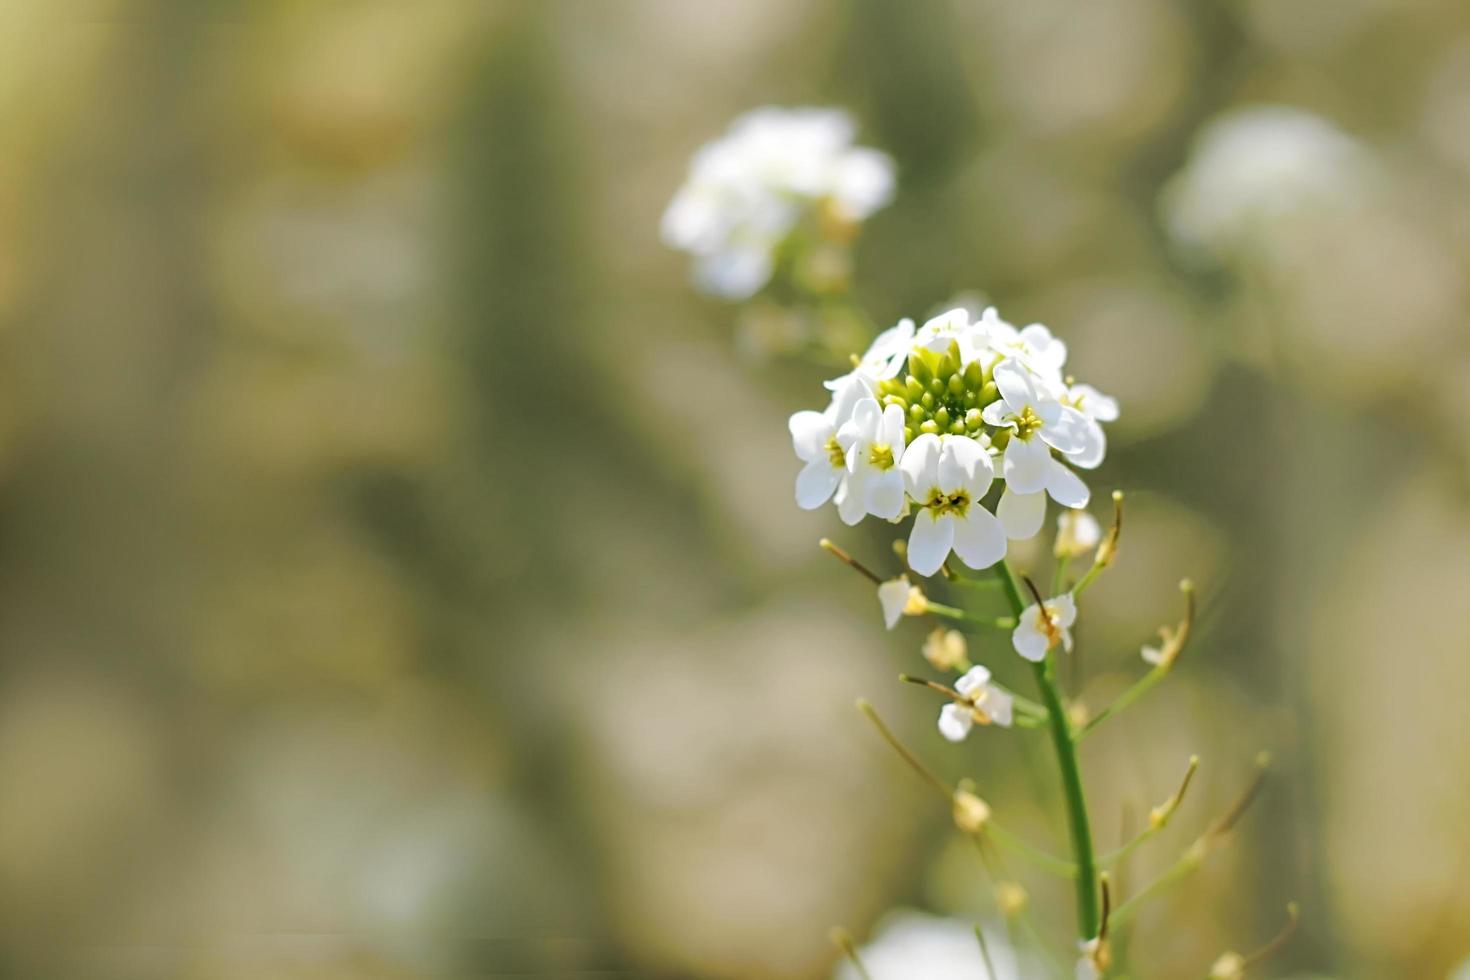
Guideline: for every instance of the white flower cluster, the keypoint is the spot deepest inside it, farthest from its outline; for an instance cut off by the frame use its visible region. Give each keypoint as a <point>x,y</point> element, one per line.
<point>930,418</point>
<point>1258,164</point>
<point>749,190</point>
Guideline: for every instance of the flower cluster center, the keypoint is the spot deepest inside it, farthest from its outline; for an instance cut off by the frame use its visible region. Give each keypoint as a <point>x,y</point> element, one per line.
<point>938,396</point>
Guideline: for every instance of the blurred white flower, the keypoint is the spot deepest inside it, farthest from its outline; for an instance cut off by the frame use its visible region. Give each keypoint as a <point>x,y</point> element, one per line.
<point>1038,632</point>
<point>1256,164</point>
<point>748,190</point>
<point>914,946</point>
<point>985,703</point>
<point>1078,532</point>
<point>947,477</point>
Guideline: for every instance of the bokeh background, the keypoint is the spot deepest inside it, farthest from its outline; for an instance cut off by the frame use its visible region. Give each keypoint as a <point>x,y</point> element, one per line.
<point>399,574</point>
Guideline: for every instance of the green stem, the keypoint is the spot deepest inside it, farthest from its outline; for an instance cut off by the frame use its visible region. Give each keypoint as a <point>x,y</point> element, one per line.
<point>1061,736</point>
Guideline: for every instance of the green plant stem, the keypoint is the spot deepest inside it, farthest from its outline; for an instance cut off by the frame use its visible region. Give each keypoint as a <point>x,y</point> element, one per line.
<point>950,612</point>
<point>1061,736</point>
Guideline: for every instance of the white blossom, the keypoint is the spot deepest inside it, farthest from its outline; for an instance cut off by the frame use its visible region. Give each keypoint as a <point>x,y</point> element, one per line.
<point>748,190</point>
<point>885,356</point>
<point>873,441</point>
<point>984,703</point>
<point>947,476</point>
<point>1037,632</point>
<point>1095,408</point>
<point>1256,165</point>
<point>1078,532</point>
<point>899,598</point>
<point>814,437</point>
<point>914,946</point>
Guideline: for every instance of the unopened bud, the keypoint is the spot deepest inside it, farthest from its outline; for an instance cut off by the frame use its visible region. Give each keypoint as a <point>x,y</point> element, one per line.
<point>1077,714</point>
<point>971,813</point>
<point>946,649</point>
<point>1011,898</point>
<point>1231,966</point>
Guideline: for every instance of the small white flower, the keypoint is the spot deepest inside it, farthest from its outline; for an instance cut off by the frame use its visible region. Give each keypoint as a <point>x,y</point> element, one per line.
<point>947,476</point>
<point>914,946</point>
<point>1038,632</point>
<point>1033,345</point>
<point>885,356</point>
<point>814,437</point>
<point>1078,532</point>
<point>1039,423</point>
<point>748,190</point>
<point>953,326</point>
<point>873,442</point>
<point>984,703</point>
<point>899,598</point>
<point>1256,165</point>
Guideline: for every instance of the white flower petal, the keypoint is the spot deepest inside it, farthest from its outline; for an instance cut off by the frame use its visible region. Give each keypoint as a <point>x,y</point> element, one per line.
<point>930,541</point>
<point>920,466</point>
<point>1066,487</point>
<point>893,596</point>
<point>967,463</point>
<point>1063,610</point>
<point>890,430</point>
<point>1021,514</point>
<point>1017,385</point>
<point>851,500</point>
<point>1027,465</point>
<point>1067,432</point>
<point>1093,403</point>
<point>884,494</point>
<point>979,538</point>
<point>816,483</point>
<point>809,434</point>
<point>955,721</point>
<point>998,705</point>
<point>972,680</point>
<point>1029,641</point>
<point>1094,447</point>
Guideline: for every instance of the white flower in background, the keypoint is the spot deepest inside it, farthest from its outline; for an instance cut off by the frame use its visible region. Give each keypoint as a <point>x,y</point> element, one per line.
<point>814,437</point>
<point>984,703</point>
<point>749,189</point>
<point>899,598</point>
<point>947,476</point>
<point>873,441</point>
<point>1078,532</point>
<point>885,356</point>
<point>914,946</point>
<point>1257,164</point>
<point>1038,631</point>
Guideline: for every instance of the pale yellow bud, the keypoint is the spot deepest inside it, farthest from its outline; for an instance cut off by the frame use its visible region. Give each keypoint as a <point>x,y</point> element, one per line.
<point>1077,714</point>
<point>946,649</point>
<point>1231,966</point>
<point>917,604</point>
<point>971,813</point>
<point>1011,898</point>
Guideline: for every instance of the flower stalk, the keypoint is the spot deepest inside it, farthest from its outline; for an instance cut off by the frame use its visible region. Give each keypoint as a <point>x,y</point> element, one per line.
<point>1076,802</point>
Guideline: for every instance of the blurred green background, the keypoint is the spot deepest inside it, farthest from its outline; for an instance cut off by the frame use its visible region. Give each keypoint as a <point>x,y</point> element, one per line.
<point>399,574</point>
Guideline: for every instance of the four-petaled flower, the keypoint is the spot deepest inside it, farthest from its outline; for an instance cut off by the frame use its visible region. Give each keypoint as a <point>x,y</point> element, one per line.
<point>946,476</point>
<point>872,441</point>
<point>814,437</point>
<point>1043,626</point>
<point>1038,423</point>
<point>984,703</point>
